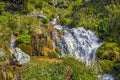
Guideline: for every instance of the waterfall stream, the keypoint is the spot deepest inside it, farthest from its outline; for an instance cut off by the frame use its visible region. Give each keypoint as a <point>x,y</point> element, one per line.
<point>76,42</point>
<point>79,43</point>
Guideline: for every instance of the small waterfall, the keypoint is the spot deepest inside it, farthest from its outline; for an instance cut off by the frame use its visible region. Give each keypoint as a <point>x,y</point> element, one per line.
<point>80,43</point>
<point>77,42</point>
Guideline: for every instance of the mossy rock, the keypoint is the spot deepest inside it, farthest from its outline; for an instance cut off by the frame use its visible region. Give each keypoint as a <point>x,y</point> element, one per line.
<point>109,51</point>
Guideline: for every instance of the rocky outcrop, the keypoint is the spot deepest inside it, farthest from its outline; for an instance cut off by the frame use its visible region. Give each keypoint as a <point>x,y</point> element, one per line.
<point>41,38</point>
<point>19,57</point>
<point>35,41</point>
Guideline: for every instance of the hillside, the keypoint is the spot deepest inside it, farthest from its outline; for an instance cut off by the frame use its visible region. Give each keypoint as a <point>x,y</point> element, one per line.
<point>59,39</point>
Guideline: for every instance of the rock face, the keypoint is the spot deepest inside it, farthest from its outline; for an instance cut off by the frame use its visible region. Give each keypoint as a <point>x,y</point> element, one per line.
<point>41,39</point>
<point>19,57</point>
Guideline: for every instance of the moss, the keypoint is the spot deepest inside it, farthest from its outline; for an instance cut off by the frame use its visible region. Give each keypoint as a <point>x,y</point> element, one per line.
<point>25,48</point>
<point>109,51</point>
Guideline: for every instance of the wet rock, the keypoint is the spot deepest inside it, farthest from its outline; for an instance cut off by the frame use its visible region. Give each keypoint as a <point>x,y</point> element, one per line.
<point>19,57</point>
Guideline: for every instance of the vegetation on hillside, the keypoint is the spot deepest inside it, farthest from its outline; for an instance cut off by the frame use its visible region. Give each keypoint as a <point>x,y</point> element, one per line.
<point>21,17</point>
<point>108,56</point>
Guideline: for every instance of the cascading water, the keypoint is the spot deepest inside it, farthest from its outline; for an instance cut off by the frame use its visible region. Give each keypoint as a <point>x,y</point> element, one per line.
<point>106,77</point>
<point>77,42</point>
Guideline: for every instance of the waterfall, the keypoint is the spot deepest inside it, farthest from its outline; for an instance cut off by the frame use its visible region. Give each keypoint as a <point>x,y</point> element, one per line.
<point>79,43</point>
<point>76,42</point>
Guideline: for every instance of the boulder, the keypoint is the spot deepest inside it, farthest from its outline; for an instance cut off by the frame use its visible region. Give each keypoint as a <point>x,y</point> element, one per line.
<point>19,57</point>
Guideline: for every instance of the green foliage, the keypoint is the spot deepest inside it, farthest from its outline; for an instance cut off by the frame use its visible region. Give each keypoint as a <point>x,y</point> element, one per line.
<point>70,68</point>
<point>8,21</point>
<point>109,51</point>
<point>2,7</point>
<point>45,20</point>
<point>117,68</point>
<point>101,16</point>
<point>25,48</point>
<point>64,21</point>
<point>53,55</point>
<point>28,8</point>
<point>4,50</point>
<point>57,50</point>
<point>109,57</point>
<point>79,70</point>
<point>38,3</point>
<point>106,66</point>
<point>24,37</point>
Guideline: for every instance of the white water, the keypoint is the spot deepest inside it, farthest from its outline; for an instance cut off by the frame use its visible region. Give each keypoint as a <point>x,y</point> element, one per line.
<point>79,43</point>
<point>106,77</point>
